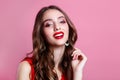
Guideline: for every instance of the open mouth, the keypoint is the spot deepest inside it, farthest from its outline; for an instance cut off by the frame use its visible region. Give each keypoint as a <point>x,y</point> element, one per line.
<point>58,35</point>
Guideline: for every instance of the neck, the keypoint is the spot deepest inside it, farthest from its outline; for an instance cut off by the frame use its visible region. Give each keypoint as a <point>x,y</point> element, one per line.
<point>58,53</point>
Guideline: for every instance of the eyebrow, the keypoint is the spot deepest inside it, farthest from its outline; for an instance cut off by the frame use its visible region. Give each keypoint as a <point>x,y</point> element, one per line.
<point>52,19</point>
<point>61,17</point>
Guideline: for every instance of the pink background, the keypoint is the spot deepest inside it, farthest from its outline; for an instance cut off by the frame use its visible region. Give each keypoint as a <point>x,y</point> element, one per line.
<point>97,23</point>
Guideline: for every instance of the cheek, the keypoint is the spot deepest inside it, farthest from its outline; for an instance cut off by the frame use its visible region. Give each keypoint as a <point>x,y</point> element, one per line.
<point>67,30</point>
<point>47,32</point>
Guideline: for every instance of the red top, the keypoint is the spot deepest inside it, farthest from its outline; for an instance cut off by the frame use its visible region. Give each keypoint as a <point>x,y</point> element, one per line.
<point>29,60</point>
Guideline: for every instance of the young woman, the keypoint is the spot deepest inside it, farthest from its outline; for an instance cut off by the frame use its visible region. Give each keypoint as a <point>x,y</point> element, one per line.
<point>54,55</point>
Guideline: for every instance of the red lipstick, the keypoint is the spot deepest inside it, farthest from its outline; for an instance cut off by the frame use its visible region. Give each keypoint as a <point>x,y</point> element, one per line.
<point>58,35</point>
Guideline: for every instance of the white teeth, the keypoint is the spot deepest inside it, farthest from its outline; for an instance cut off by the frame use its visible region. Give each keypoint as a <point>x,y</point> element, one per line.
<point>58,35</point>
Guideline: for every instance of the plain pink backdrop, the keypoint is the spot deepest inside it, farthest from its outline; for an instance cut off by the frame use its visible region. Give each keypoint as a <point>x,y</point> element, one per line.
<point>97,23</point>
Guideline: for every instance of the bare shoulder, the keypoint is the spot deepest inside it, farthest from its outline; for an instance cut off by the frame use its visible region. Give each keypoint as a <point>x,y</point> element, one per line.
<point>24,65</point>
<point>24,70</point>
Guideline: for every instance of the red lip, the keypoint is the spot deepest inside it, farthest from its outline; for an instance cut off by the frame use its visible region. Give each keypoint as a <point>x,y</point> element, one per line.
<point>58,35</point>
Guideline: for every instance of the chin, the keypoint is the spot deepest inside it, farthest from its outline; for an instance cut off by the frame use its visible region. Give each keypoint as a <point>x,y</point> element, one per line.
<point>60,44</point>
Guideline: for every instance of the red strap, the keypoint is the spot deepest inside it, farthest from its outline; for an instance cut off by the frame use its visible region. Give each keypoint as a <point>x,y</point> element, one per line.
<point>32,68</point>
<point>63,77</point>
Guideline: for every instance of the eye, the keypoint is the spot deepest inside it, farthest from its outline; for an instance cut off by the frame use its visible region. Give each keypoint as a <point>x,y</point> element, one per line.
<point>62,21</point>
<point>47,25</point>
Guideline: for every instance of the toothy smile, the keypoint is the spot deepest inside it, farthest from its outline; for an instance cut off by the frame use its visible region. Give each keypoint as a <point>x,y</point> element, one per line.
<point>58,35</point>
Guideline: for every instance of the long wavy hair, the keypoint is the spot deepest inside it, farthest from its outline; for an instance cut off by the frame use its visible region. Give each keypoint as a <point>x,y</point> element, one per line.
<point>43,58</point>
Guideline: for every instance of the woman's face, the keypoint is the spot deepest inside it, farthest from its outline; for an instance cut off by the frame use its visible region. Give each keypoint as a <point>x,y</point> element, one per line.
<point>55,27</point>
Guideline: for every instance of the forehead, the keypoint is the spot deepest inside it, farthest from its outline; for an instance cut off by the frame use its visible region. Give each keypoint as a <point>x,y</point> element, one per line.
<point>52,14</point>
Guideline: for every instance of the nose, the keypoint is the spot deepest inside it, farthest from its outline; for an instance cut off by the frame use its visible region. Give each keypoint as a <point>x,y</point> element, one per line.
<point>56,27</point>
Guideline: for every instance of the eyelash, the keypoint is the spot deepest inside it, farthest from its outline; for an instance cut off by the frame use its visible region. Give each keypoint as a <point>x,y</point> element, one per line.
<point>49,24</point>
<point>63,21</point>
